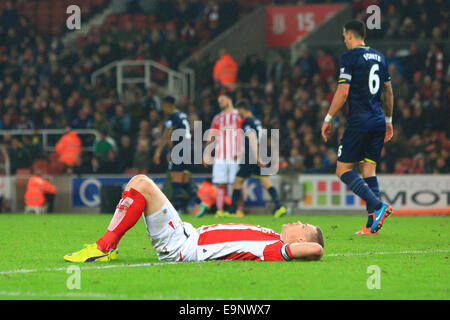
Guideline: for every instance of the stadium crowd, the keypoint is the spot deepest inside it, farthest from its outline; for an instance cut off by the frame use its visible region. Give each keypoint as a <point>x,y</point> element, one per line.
<point>45,84</point>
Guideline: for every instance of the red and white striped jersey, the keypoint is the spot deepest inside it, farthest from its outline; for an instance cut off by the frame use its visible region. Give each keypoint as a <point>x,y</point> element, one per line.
<point>228,142</point>
<point>241,242</point>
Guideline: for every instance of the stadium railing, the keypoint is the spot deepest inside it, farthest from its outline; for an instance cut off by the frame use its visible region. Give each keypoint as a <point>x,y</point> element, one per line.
<point>177,83</point>
<point>48,144</point>
<point>5,183</point>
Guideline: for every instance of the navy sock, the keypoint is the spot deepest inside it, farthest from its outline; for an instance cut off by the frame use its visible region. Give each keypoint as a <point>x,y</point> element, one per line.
<point>176,195</point>
<point>192,192</point>
<point>274,195</point>
<point>372,182</point>
<point>236,196</point>
<point>362,190</point>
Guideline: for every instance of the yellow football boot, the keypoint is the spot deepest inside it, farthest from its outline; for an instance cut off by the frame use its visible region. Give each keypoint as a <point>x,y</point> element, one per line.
<point>91,253</point>
<point>279,212</point>
<point>240,213</point>
<point>222,214</point>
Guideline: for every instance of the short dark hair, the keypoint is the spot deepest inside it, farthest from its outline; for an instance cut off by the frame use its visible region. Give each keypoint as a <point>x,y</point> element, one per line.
<point>169,100</point>
<point>243,104</point>
<point>226,94</point>
<point>319,237</point>
<point>357,27</point>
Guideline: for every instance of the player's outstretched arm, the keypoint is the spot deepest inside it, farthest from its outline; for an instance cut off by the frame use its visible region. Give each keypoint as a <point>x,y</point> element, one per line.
<point>306,250</point>
<point>164,140</point>
<point>387,98</point>
<point>338,102</point>
<point>210,145</point>
<point>253,141</point>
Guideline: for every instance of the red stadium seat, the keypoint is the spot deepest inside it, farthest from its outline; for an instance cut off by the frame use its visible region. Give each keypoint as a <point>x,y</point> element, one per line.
<point>56,168</point>
<point>19,5</point>
<point>98,3</point>
<point>131,171</point>
<point>44,28</point>
<point>43,6</point>
<point>124,19</point>
<point>80,40</point>
<point>40,165</point>
<point>53,157</point>
<point>139,21</point>
<point>29,6</point>
<point>111,19</point>
<point>29,9</point>
<point>23,171</point>
<point>56,29</point>
<point>59,12</point>
<point>84,4</point>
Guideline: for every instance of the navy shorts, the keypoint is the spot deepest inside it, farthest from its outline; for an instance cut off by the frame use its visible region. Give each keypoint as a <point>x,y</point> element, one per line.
<point>247,170</point>
<point>182,167</point>
<point>356,146</point>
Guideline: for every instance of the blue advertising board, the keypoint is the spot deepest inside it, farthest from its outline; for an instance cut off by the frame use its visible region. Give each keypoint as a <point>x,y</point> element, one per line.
<point>86,190</point>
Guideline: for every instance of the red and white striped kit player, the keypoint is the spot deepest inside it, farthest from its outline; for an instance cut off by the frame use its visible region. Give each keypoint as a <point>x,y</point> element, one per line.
<point>226,131</point>
<point>175,240</point>
<point>228,142</point>
<point>241,242</point>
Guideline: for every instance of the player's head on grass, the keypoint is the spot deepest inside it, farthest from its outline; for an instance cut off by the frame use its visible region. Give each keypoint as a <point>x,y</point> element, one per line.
<point>354,33</point>
<point>225,101</point>
<point>168,104</point>
<point>244,108</point>
<point>302,232</point>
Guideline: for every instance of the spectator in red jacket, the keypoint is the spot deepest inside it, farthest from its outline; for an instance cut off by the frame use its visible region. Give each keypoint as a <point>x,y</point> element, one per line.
<point>326,64</point>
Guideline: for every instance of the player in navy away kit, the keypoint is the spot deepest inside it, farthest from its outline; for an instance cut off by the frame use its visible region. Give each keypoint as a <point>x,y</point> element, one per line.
<point>179,172</point>
<point>365,81</point>
<point>251,127</point>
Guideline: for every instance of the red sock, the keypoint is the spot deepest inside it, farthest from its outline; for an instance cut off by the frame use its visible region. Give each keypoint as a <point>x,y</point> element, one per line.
<point>221,194</point>
<point>127,213</point>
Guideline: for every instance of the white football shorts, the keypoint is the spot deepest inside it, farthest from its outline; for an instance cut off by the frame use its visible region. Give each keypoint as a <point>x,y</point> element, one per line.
<point>171,238</point>
<point>224,172</point>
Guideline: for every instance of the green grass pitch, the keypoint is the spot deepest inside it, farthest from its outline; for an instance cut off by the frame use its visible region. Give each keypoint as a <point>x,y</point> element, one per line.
<point>410,252</point>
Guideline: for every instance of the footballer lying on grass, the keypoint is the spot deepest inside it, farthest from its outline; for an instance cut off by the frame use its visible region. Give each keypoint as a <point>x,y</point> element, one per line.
<point>175,240</point>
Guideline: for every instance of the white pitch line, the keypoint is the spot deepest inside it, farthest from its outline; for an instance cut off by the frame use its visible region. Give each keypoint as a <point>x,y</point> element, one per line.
<point>97,295</point>
<point>110,266</point>
<point>349,254</point>
<point>150,264</point>
<point>100,295</point>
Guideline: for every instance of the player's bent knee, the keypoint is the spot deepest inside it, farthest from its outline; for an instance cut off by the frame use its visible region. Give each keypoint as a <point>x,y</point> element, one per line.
<point>143,186</point>
<point>134,179</point>
<point>140,183</point>
<point>139,177</point>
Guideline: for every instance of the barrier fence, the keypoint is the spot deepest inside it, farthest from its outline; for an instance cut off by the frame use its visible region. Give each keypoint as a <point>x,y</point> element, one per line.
<point>303,194</point>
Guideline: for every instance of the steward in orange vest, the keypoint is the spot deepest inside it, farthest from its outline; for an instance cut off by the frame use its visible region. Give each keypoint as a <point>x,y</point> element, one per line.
<point>207,192</point>
<point>225,70</point>
<point>37,188</point>
<point>68,147</point>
